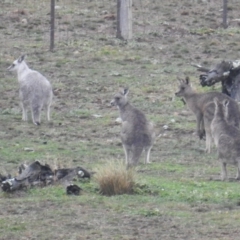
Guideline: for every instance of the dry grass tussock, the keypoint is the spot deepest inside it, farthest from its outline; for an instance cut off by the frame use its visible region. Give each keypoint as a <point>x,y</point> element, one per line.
<point>114,178</point>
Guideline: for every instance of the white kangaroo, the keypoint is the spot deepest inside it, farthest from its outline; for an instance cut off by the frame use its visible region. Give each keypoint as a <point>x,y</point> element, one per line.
<point>35,91</point>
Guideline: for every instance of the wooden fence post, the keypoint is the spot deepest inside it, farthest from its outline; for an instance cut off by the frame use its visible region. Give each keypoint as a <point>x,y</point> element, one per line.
<point>124,19</point>
<point>225,25</point>
<point>52,25</point>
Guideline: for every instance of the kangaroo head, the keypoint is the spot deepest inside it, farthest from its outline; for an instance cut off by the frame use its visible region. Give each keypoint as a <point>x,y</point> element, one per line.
<point>120,98</point>
<point>16,64</point>
<point>184,87</point>
<point>221,108</point>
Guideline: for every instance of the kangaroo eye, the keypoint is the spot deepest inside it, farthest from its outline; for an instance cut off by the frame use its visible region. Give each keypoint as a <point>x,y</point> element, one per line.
<point>182,88</point>
<point>117,98</point>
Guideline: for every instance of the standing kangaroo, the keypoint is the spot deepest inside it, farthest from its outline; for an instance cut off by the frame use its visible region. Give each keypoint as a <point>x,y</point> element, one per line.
<point>201,104</point>
<point>137,133</point>
<point>226,137</point>
<point>35,91</point>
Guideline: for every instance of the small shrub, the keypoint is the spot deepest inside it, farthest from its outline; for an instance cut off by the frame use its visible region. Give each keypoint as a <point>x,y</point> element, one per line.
<point>115,179</point>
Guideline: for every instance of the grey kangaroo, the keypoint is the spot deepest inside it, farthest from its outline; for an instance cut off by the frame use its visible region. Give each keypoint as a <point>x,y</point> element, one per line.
<point>226,137</point>
<point>201,104</point>
<point>35,91</point>
<point>137,133</point>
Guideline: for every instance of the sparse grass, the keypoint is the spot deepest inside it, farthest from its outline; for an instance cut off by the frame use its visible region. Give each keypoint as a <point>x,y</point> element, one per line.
<point>173,198</point>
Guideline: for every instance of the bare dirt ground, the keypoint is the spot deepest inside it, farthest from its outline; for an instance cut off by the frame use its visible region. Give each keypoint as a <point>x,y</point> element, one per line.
<point>87,67</point>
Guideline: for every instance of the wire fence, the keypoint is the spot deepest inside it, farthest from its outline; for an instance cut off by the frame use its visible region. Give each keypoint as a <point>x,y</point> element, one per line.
<point>74,20</point>
<point>30,20</point>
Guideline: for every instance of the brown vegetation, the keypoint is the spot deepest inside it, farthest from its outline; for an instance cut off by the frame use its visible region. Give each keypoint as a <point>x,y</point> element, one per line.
<point>113,179</point>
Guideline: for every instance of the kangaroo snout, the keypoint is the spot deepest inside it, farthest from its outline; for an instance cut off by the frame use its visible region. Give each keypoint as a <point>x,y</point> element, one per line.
<point>177,94</point>
<point>112,103</point>
<point>10,67</point>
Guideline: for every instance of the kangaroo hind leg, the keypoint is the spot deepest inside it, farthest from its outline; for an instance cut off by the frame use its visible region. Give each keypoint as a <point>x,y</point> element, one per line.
<point>148,151</point>
<point>36,114</point>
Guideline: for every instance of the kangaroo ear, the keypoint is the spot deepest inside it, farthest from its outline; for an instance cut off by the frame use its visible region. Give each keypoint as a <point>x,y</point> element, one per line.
<point>225,103</point>
<point>20,59</point>
<point>187,80</point>
<point>179,79</point>
<point>125,91</point>
<point>215,100</point>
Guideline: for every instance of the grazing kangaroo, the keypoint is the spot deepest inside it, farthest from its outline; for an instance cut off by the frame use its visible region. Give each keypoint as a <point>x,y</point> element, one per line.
<point>201,104</point>
<point>137,133</point>
<point>226,137</point>
<point>35,91</point>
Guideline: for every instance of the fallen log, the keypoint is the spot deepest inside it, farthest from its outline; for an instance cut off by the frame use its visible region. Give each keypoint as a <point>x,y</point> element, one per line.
<point>37,174</point>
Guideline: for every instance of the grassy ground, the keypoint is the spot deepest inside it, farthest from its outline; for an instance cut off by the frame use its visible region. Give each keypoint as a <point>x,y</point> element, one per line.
<point>178,195</point>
